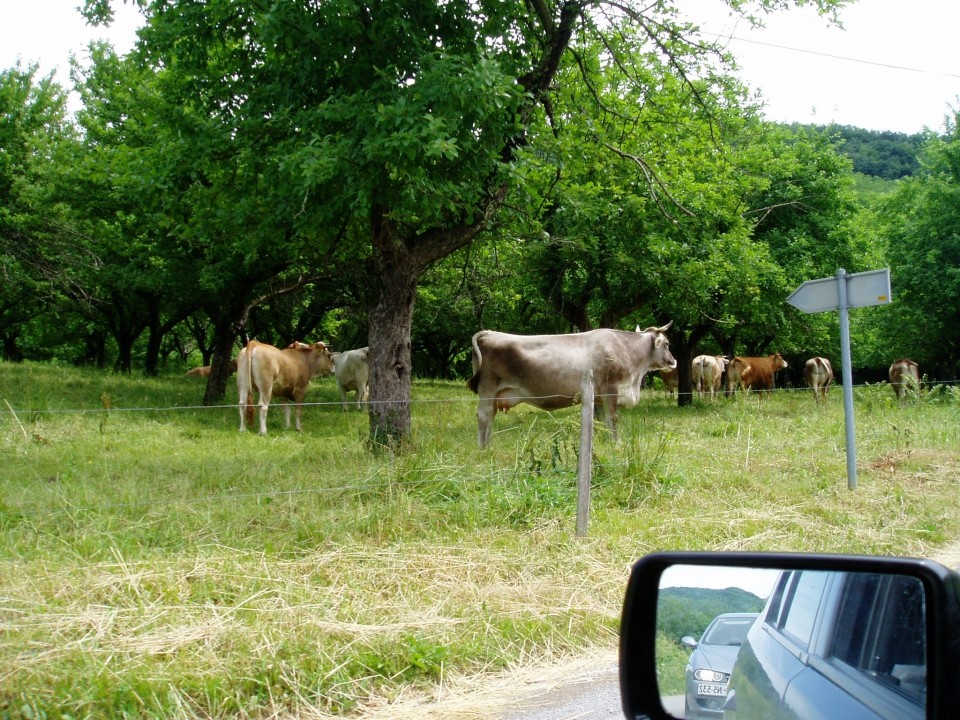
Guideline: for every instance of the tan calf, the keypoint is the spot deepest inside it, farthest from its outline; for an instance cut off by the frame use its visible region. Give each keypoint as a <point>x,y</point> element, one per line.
<point>904,376</point>
<point>285,373</point>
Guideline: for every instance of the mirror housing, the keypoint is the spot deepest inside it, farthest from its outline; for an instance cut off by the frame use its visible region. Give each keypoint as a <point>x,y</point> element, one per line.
<point>639,690</point>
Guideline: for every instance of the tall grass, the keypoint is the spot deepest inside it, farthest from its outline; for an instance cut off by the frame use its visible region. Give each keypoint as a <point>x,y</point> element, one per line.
<point>157,563</point>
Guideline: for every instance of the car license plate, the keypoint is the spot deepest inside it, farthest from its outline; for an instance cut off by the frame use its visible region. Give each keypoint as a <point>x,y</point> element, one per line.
<point>712,689</point>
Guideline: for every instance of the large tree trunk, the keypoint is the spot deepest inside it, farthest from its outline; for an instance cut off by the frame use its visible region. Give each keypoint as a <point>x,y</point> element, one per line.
<point>220,370</point>
<point>390,323</point>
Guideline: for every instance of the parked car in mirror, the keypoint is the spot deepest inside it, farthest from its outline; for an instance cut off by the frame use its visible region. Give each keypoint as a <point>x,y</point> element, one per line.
<point>711,662</point>
<point>838,636</point>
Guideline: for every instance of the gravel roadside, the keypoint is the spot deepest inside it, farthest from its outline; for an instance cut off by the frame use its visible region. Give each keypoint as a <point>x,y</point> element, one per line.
<point>582,688</point>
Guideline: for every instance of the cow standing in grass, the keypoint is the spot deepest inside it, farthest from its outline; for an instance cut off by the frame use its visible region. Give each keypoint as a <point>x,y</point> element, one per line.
<point>285,373</point>
<point>707,373</point>
<point>754,373</point>
<point>546,371</point>
<point>671,380</point>
<point>818,373</point>
<point>904,376</point>
<point>352,371</point>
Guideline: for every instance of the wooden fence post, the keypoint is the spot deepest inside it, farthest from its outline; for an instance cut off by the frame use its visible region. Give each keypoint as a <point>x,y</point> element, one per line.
<point>585,470</point>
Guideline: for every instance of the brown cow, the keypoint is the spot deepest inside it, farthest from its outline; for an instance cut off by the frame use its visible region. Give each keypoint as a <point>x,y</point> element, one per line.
<point>904,376</point>
<point>204,370</point>
<point>546,370</point>
<point>671,379</point>
<point>754,373</point>
<point>285,373</point>
<point>818,373</point>
<point>706,373</point>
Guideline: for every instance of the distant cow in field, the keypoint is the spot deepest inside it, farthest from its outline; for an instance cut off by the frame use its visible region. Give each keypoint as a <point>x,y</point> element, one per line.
<point>204,370</point>
<point>904,376</point>
<point>818,373</point>
<point>671,379</point>
<point>285,373</point>
<point>352,372</point>
<point>546,370</point>
<point>706,373</point>
<point>754,373</point>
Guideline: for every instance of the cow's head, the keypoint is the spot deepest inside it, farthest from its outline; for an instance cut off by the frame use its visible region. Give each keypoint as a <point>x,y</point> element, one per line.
<point>325,364</point>
<point>778,362</point>
<point>660,356</point>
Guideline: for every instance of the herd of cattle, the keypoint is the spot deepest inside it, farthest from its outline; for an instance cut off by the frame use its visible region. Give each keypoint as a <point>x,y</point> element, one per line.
<point>757,373</point>
<point>546,371</point>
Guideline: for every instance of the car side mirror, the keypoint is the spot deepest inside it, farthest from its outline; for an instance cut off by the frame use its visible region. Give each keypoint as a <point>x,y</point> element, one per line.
<point>708,634</point>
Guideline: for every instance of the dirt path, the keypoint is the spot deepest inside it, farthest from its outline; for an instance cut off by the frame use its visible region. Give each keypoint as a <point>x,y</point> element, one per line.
<point>581,688</point>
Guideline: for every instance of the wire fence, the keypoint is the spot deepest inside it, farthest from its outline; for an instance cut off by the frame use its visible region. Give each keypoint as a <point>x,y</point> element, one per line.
<point>371,483</point>
<point>467,399</point>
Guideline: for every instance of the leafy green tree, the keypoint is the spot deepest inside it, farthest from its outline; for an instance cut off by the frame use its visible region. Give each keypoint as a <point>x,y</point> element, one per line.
<point>37,237</point>
<point>803,208</point>
<point>921,227</point>
<point>405,124</point>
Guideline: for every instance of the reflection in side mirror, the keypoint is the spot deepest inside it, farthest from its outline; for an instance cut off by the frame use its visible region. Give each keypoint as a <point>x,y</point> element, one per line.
<point>787,636</point>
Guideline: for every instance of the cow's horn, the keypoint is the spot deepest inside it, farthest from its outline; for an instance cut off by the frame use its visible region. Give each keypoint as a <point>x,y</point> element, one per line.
<point>655,329</point>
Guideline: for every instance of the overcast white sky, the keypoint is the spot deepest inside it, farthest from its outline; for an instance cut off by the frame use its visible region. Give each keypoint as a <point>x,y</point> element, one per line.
<point>758,582</point>
<point>903,71</point>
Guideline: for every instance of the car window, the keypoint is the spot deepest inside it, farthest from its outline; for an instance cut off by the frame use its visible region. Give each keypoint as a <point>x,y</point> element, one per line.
<point>801,603</point>
<point>728,631</point>
<point>879,631</point>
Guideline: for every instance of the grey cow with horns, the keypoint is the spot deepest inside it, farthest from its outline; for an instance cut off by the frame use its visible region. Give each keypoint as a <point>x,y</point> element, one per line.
<point>546,370</point>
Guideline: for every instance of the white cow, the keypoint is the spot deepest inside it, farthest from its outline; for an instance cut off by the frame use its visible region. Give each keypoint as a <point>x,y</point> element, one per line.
<point>352,372</point>
<point>285,373</point>
<point>706,373</point>
<point>546,370</point>
<point>818,372</point>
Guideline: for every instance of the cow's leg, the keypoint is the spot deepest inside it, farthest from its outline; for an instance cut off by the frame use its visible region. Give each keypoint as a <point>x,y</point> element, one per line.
<point>343,395</point>
<point>243,392</point>
<point>264,406</point>
<point>486,409</point>
<point>243,412</point>
<point>609,395</point>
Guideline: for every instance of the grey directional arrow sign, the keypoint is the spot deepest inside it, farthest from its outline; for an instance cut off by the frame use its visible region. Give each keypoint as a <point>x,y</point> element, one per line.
<point>840,293</point>
<point>863,289</point>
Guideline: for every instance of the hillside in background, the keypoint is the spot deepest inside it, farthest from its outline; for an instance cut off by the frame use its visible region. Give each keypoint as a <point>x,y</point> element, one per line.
<point>687,611</point>
<point>880,154</point>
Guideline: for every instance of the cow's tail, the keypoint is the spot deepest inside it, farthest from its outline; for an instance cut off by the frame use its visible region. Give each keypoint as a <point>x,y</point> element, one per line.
<point>248,408</point>
<point>474,382</point>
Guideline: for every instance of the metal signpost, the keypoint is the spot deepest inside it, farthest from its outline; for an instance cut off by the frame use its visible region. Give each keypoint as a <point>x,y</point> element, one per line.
<point>841,293</point>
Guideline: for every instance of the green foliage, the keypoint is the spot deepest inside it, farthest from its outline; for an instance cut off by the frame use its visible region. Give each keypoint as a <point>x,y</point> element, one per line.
<point>920,224</point>
<point>879,154</point>
<point>688,611</point>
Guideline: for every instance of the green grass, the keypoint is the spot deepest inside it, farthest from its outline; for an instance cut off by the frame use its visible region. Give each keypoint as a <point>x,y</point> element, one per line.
<point>157,563</point>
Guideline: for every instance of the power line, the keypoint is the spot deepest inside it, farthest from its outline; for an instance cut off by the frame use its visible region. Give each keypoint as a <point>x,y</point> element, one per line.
<point>834,57</point>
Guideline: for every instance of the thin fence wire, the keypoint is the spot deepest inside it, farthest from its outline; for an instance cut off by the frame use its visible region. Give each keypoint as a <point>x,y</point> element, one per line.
<point>448,401</point>
<point>365,485</point>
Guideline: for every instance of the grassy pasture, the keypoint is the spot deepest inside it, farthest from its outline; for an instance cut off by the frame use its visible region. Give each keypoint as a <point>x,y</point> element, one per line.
<point>157,563</point>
